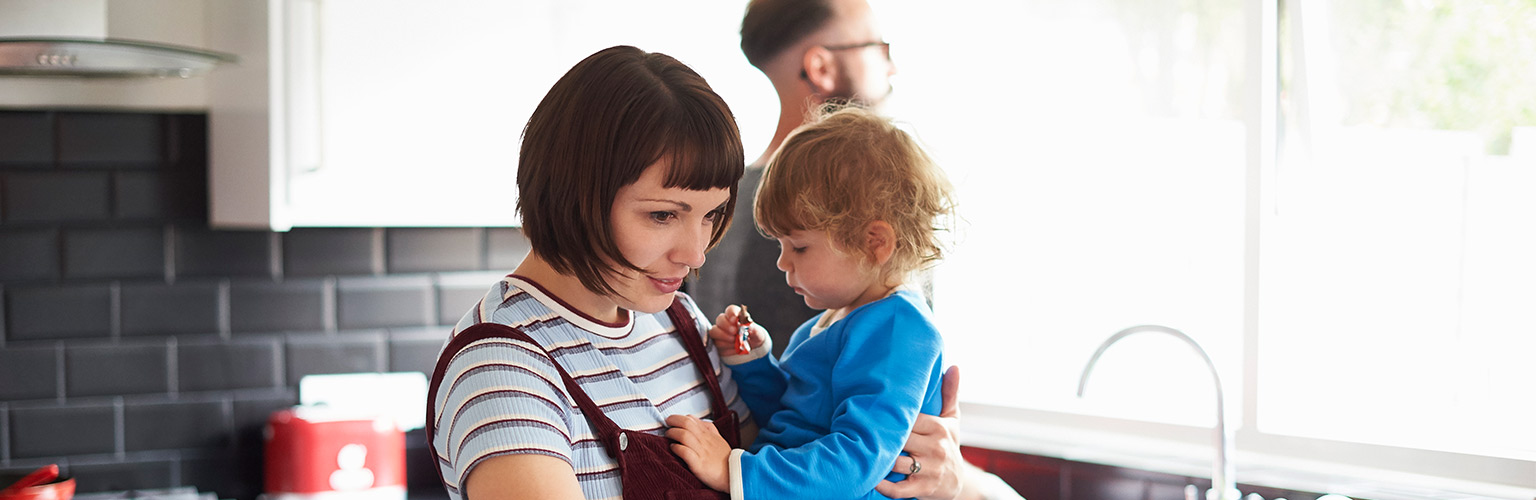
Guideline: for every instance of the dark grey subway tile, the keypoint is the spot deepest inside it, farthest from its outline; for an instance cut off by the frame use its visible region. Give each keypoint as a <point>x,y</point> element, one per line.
<point>202,252</point>
<point>168,426</point>
<point>26,138</point>
<point>160,309</point>
<point>132,252</point>
<point>115,139</point>
<point>41,313</point>
<point>454,301</point>
<point>350,353</point>
<point>416,351</point>
<point>332,251</point>
<point>123,476</point>
<point>295,305</point>
<point>223,366</point>
<point>29,373</point>
<point>506,247</point>
<point>111,370</point>
<point>56,197</point>
<point>29,254</point>
<point>63,430</point>
<point>412,250</point>
<point>159,195</point>
<point>399,301</point>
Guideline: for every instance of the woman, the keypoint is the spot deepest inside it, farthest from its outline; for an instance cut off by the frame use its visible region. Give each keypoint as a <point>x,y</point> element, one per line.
<point>558,383</point>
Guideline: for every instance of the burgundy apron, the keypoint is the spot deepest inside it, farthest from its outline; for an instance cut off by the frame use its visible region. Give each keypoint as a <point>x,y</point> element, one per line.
<point>647,468</point>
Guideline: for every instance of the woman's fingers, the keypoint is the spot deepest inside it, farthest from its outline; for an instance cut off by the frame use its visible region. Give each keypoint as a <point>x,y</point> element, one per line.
<point>949,392</point>
<point>903,464</point>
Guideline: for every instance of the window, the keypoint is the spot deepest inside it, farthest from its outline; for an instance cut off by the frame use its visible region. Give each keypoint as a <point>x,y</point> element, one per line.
<point>1333,198</point>
<point>1399,239</point>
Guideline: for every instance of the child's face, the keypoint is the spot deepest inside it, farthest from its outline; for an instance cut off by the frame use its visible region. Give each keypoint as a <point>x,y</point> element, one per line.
<point>663,231</point>
<point>828,277</point>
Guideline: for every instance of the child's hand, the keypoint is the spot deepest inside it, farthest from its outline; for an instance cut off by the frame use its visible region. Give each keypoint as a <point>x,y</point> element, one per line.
<point>701,447</point>
<point>727,330</point>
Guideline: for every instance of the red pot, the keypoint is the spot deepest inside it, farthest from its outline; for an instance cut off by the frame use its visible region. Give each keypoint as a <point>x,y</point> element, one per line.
<point>42,484</point>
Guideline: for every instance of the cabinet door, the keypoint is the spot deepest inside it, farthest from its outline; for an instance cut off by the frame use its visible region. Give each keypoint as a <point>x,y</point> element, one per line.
<point>410,112</point>
<point>417,109</point>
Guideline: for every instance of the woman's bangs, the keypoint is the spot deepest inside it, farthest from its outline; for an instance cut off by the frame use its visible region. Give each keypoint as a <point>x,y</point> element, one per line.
<point>703,150</point>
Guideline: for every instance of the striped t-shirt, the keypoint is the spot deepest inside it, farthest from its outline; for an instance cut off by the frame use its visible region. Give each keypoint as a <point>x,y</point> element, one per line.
<point>500,396</point>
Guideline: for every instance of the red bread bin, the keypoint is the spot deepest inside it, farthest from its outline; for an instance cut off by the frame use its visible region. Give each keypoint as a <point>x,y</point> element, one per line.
<point>314,454</point>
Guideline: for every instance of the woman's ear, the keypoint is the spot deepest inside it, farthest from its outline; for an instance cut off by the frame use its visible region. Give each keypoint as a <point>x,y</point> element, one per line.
<point>879,241</point>
<point>818,70</point>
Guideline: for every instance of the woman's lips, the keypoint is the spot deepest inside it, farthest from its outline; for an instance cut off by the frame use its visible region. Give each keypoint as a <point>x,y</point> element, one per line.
<point>666,285</point>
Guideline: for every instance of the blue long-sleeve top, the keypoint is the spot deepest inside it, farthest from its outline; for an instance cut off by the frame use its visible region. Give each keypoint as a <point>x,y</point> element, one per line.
<point>837,408</point>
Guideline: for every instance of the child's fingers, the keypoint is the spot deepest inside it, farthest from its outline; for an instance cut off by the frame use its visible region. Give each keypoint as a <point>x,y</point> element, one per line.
<point>687,454</point>
<point>681,437</point>
<point>727,319</point>
<point>684,430</point>
<point>758,336</point>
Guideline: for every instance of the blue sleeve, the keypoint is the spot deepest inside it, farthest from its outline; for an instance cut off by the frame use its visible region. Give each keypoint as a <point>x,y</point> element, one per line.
<point>762,384</point>
<point>885,370</point>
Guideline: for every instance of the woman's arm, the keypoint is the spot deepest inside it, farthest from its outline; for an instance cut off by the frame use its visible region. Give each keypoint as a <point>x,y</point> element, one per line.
<point>523,477</point>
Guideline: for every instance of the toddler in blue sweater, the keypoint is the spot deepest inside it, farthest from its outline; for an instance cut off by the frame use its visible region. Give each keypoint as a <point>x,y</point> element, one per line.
<point>857,207</point>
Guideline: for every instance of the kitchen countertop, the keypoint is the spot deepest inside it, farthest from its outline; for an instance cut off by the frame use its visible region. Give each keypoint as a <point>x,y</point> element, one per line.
<point>1182,458</point>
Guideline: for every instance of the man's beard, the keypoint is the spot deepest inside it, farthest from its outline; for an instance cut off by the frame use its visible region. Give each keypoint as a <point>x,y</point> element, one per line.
<point>843,94</point>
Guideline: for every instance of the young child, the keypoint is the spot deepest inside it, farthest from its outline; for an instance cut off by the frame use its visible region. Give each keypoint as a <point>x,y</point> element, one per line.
<point>856,206</point>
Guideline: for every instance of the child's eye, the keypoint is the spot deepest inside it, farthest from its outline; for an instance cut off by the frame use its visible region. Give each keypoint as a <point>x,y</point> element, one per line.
<point>663,216</point>
<point>797,249</point>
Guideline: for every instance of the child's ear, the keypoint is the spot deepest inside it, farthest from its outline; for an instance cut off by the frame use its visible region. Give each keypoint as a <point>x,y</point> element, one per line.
<point>879,241</point>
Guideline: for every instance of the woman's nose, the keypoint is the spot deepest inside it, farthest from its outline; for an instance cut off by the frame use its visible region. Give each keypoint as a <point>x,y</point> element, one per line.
<point>691,251</point>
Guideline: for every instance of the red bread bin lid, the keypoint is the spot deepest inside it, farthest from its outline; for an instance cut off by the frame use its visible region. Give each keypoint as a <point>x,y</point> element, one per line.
<point>310,451</point>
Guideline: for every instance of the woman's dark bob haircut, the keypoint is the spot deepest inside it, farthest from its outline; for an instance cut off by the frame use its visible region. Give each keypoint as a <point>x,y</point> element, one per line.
<point>610,117</point>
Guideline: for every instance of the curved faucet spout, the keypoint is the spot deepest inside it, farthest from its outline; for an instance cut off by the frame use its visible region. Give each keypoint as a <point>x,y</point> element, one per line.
<point>1223,482</point>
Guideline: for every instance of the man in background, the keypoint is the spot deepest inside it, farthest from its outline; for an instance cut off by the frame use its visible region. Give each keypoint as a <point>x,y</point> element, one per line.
<point>815,52</point>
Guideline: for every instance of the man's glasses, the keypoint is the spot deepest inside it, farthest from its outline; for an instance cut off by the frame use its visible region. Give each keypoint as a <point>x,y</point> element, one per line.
<point>885,47</point>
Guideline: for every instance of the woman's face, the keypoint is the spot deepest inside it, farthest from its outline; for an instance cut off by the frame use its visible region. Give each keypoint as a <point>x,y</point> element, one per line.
<point>663,231</point>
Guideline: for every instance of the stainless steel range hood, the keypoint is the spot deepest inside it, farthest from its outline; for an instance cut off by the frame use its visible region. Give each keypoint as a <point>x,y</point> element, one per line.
<point>104,57</point>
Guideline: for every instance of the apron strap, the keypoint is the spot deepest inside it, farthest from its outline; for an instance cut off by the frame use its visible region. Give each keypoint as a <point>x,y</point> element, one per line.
<point>693,342</point>
<point>605,428</point>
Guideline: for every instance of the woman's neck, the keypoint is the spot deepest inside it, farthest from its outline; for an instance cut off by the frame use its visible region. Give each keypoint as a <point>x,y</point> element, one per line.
<point>570,290</point>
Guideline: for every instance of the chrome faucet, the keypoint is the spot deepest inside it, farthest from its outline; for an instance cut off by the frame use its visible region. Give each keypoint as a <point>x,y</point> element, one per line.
<point>1223,482</point>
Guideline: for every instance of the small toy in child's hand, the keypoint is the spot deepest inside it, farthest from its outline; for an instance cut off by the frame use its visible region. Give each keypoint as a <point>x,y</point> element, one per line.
<point>743,329</point>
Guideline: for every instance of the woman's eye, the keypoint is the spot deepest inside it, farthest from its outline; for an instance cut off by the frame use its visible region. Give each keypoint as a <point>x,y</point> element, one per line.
<point>662,216</point>
<point>714,215</point>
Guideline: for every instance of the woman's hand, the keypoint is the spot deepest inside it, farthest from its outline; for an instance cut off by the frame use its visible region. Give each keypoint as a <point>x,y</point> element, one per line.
<point>701,447</point>
<point>727,330</point>
<point>935,445</point>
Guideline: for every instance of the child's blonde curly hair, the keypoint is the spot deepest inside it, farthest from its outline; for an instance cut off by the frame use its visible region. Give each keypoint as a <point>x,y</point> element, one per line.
<point>850,167</point>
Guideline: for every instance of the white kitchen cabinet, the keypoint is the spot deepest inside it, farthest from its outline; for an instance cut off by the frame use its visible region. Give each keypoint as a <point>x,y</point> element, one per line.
<point>409,112</point>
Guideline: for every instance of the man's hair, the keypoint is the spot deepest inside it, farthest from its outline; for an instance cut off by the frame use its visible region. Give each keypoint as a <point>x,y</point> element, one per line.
<point>847,168</point>
<point>610,117</point>
<point>771,26</point>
